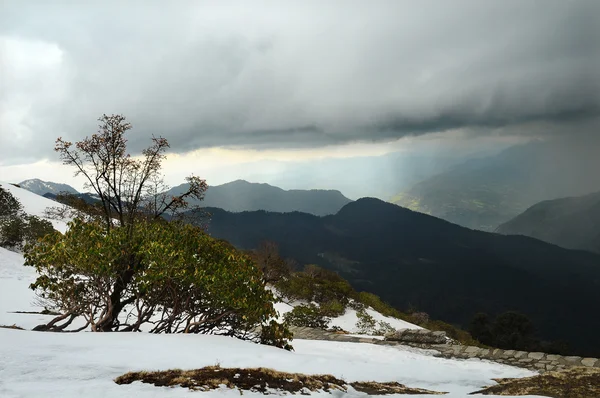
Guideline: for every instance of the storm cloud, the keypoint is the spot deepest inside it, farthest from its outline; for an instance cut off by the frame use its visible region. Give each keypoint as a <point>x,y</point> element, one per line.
<point>295,74</point>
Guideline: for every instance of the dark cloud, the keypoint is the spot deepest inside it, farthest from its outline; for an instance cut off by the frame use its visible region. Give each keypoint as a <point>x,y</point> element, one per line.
<point>295,74</point>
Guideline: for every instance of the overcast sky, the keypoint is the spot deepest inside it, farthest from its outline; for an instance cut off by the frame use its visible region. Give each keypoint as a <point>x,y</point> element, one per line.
<point>292,80</point>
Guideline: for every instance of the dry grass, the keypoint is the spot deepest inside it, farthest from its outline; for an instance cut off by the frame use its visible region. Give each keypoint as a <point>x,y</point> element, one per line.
<point>578,382</point>
<point>376,388</point>
<point>13,326</point>
<point>262,380</point>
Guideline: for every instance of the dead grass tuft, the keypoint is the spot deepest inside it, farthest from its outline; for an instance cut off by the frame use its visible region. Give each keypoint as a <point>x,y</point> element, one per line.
<point>13,326</point>
<point>580,382</point>
<point>263,380</point>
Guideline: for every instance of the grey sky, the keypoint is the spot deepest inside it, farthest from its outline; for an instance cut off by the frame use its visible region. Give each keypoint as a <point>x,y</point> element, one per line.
<point>294,74</point>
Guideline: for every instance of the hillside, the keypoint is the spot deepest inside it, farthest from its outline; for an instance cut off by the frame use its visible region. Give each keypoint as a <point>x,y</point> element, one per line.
<point>40,187</point>
<point>240,195</point>
<point>74,362</point>
<point>572,222</point>
<point>484,193</point>
<point>451,272</point>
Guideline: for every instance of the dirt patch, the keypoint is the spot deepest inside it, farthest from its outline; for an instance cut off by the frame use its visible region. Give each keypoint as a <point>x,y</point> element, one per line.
<point>262,380</point>
<point>14,326</point>
<point>577,382</point>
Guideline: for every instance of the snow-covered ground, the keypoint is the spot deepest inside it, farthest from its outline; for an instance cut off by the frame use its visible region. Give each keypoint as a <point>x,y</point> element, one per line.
<point>34,364</point>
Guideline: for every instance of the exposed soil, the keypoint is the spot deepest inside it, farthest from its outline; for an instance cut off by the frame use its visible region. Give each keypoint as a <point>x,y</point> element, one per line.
<point>262,380</point>
<point>577,382</point>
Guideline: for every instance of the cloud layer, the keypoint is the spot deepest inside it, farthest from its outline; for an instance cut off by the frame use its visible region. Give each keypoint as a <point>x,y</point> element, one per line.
<point>301,74</point>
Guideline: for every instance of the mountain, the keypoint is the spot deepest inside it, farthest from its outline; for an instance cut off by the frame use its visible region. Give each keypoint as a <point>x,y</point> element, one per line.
<point>87,197</point>
<point>241,195</point>
<point>40,187</point>
<point>486,192</point>
<point>572,222</point>
<point>413,259</point>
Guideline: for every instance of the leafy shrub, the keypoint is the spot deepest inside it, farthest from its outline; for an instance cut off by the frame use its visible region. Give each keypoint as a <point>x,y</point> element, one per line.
<point>195,283</point>
<point>16,227</point>
<point>277,335</point>
<point>307,316</point>
<point>366,323</point>
<point>333,308</point>
<point>316,284</point>
<point>375,302</point>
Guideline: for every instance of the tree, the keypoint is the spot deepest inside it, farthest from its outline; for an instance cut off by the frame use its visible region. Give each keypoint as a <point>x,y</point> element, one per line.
<point>268,260</point>
<point>130,190</point>
<point>191,283</point>
<point>513,330</point>
<point>17,228</point>
<point>480,328</point>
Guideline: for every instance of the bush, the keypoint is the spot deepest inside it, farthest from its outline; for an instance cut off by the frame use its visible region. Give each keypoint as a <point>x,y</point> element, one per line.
<point>307,316</point>
<point>333,308</point>
<point>419,318</point>
<point>366,323</point>
<point>316,284</point>
<point>194,283</point>
<point>16,227</point>
<point>453,332</point>
<point>373,301</point>
<point>277,335</point>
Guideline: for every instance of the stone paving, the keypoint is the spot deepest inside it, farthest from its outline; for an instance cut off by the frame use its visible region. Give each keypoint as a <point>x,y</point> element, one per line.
<point>537,361</point>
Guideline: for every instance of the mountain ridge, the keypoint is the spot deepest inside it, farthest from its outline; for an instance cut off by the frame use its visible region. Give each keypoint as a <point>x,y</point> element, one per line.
<point>451,272</point>
<point>571,222</point>
<point>241,195</point>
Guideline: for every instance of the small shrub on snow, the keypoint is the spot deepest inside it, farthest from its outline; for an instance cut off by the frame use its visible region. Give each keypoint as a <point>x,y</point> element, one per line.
<point>307,316</point>
<point>366,323</point>
<point>333,308</point>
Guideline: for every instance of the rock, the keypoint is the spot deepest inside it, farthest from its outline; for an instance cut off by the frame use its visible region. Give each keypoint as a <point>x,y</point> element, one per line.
<point>520,354</point>
<point>536,355</point>
<point>590,362</point>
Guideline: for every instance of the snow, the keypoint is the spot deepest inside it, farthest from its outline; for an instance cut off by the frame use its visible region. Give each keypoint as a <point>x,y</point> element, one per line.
<point>34,364</point>
<point>35,204</point>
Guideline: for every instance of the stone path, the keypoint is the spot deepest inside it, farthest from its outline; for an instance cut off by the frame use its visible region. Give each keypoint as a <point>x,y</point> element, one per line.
<point>537,361</point>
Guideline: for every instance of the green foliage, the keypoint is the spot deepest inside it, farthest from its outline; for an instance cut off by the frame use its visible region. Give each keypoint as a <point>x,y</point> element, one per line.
<point>194,282</point>
<point>316,284</point>
<point>9,205</point>
<point>307,316</point>
<point>276,334</point>
<point>511,330</point>
<point>373,301</point>
<point>333,308</point>
<point>366,323</point>
<point>16,227</point>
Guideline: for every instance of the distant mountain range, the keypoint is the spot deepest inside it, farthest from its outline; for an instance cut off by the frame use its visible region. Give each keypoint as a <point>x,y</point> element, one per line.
<point>451,272</point>
<point>242,195</point>
<point>40,187</point>
<point>572,222</point>
<point>233,196</point>
<point>484,193</point>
